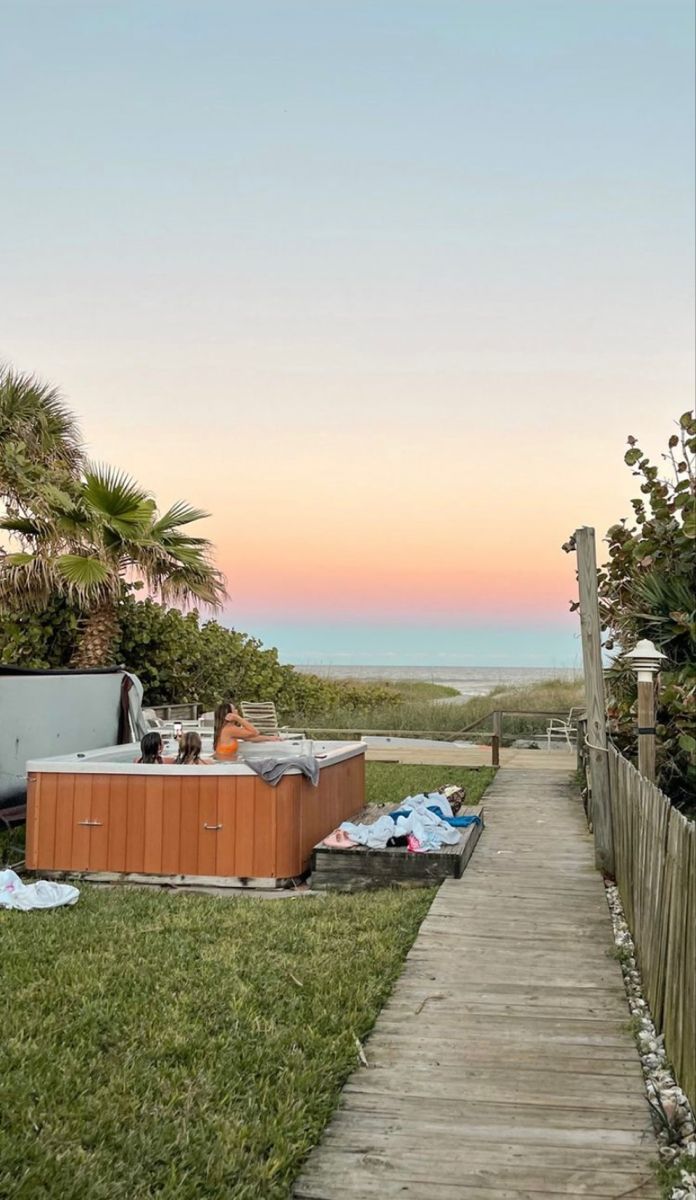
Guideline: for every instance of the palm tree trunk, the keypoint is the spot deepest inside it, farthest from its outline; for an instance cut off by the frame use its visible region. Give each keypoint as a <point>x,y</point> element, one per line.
<point>96,645</point>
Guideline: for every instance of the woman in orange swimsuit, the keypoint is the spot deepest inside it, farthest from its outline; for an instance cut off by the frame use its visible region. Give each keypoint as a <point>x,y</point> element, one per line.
<point>230,729</point>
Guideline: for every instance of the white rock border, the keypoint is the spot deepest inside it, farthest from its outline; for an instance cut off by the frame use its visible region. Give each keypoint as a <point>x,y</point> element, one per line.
<point>672,1116</point>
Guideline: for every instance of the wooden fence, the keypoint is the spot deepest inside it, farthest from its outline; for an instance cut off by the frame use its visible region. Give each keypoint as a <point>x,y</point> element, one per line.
<point>655,861</point>
<point>495,736</point>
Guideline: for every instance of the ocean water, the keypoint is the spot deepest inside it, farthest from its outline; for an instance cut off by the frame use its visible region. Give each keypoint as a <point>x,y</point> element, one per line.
<point>469,681</point>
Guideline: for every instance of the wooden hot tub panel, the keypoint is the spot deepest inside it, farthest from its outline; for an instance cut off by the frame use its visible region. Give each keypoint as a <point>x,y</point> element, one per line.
<point>214,825</point>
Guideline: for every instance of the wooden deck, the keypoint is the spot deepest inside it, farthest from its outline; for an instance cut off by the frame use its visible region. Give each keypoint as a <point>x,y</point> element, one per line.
<point>502,1067</point>
<point>475,756</point>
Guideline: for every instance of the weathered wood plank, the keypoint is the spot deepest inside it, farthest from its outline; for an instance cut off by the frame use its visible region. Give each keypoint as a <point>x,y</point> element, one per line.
<point>390,1171</point>
<point>346,1135</point>
<point>428,1190</point>
<point>471,1116</point>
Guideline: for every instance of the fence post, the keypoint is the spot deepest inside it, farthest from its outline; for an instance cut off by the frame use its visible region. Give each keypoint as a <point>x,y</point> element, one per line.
<point>646,728</point>
<point>596,730</point>
<point>495,750</point>
<point>498,726</point>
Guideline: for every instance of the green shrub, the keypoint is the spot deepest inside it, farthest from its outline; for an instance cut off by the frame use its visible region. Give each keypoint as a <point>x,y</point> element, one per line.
<point>646,590</point>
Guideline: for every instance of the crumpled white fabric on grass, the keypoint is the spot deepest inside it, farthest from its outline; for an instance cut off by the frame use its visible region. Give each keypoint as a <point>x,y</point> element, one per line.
<point>430,830</point>
<point>42,894</point>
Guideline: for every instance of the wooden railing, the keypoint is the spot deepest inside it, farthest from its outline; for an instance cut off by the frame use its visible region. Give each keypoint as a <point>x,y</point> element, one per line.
<point>655,864</point>
<point>495,718</point>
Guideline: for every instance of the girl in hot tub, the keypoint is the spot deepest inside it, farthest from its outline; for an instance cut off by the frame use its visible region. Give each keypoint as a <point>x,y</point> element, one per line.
<point>190,746</point>
<point>152,749</point>
<point>231,728</point>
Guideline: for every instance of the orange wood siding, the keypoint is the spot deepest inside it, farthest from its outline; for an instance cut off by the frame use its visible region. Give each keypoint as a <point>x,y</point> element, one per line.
<point>234,825</point>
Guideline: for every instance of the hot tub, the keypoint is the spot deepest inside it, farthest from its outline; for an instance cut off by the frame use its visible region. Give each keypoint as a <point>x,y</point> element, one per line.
<point>102,815</point>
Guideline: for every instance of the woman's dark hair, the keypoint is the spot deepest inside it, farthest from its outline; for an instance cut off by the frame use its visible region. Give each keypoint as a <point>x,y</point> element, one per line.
<point>151,748</point>
<point>189,748</point>
<point>221,712</point>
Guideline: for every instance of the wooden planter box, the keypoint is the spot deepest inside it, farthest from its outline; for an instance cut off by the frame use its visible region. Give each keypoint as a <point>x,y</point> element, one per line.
<point>359,868</point>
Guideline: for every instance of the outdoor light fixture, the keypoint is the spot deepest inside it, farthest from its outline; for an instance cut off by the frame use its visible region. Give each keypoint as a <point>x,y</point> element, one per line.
<point>645,660</point>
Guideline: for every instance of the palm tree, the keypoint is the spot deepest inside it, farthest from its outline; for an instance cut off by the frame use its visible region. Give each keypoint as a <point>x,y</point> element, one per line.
<point>88,542</point>
<point>39,437</point>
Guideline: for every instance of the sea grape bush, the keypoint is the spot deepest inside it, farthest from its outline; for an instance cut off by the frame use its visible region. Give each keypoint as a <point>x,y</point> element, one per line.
<point>40,640</point>
<point>646,590</point>
<point>179,659</point>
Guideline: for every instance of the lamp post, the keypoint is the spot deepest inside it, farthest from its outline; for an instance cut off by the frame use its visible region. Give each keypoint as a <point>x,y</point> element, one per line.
<point>645,659</point>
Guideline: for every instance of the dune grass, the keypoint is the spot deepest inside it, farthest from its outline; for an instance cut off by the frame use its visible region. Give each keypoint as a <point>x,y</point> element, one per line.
<point>427,718</point>
<point>420,689</point>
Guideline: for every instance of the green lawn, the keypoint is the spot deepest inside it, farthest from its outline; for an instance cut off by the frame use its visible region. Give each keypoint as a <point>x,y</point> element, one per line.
<point>186,1047</point>
<point>388,783</point>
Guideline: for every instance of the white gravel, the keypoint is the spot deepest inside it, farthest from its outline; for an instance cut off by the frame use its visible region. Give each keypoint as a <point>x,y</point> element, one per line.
<point>672,1116</point>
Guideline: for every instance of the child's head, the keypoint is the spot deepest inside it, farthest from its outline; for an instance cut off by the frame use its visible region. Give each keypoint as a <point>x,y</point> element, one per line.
<point>151,748</point>
<point>189,748</point>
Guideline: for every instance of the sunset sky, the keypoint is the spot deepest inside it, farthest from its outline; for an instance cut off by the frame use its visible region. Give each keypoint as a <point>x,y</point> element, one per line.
<point>382,285</point>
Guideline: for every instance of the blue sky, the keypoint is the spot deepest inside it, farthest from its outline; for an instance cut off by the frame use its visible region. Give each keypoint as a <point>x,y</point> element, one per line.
<point>410,272</point>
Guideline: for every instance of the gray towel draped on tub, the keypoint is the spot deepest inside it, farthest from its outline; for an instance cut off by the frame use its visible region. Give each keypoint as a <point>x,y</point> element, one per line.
<point>272,770</point>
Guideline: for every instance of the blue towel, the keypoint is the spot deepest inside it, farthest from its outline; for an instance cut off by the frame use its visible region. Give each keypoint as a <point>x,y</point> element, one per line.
<point>457,822</point>
<point>462,822</point>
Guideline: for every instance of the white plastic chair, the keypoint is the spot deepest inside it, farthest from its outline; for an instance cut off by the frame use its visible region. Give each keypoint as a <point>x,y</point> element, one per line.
<point>564,729</point>
<point>263,715</point>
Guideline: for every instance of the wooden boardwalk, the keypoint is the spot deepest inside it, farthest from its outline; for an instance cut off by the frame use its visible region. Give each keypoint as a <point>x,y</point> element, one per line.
<point>475,756</point>
<point>502,1067</point>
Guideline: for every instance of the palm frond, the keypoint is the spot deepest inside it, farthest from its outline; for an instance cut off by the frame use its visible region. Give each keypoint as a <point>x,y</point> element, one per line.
<point>27,581</point>
<point>184,584</point>
<point>19,559</point>
<point>25,526</point>
<point>116,497</point>
<point>86,577</point>
<point>187,550</point>
<point>36,413</point>
<point>663,594</point>
<point>180,513</point>
<point>171,541</point>
<point>90,537</point>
